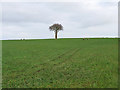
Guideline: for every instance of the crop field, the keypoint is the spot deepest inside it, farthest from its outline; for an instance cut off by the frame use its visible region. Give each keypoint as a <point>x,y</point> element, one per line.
<point>62,63</point>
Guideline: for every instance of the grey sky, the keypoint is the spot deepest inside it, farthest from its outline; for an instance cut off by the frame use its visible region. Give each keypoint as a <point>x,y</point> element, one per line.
<point>79,19</point>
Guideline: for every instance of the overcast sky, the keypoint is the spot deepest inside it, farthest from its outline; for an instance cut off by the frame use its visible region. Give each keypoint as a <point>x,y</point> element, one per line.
<point>79,19</point>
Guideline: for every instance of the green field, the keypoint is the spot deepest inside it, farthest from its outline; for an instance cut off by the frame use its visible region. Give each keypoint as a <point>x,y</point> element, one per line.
<point>62,63</point>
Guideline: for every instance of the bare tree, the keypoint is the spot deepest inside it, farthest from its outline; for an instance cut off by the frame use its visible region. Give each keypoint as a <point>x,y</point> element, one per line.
<point>56,28</point>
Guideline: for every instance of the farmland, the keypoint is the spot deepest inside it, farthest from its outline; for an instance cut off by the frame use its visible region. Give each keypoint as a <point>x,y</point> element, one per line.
<point>62,63</point>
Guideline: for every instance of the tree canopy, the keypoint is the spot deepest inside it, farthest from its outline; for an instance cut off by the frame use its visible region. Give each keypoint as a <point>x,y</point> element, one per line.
<point>56,28</point>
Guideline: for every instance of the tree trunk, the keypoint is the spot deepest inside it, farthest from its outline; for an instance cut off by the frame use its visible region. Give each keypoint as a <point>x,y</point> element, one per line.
<point>56,34</point>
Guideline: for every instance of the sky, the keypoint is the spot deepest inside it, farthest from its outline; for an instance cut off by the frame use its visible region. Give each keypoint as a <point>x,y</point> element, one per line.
<point>31,19</point>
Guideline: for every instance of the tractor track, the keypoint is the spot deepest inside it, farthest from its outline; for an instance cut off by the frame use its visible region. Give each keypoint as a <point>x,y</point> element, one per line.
<point>58,57</point>
<point>69,56</point>
<point>73,51</point>
<point>55,65</point>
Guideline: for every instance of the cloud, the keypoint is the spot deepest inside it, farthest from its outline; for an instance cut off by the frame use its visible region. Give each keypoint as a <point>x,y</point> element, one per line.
<point>31,20</point>
<point>22,13</point>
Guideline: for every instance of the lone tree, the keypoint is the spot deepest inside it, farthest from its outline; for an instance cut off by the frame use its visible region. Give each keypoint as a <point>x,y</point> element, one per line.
<point>56,28</point>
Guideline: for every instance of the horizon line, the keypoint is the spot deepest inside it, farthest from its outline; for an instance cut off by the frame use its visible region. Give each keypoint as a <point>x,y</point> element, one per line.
<point>58,38</point>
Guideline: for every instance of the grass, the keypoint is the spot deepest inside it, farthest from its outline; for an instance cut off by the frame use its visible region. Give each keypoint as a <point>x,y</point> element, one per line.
<point>62,63</point>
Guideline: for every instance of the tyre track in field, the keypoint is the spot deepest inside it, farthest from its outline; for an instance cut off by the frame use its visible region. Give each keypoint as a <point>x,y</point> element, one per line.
<point>40,65</point>
<point>73,51</point>
<point>76,71</point>
<point>68,57</point>
<point>65,60</point>
<point>58,57</point>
